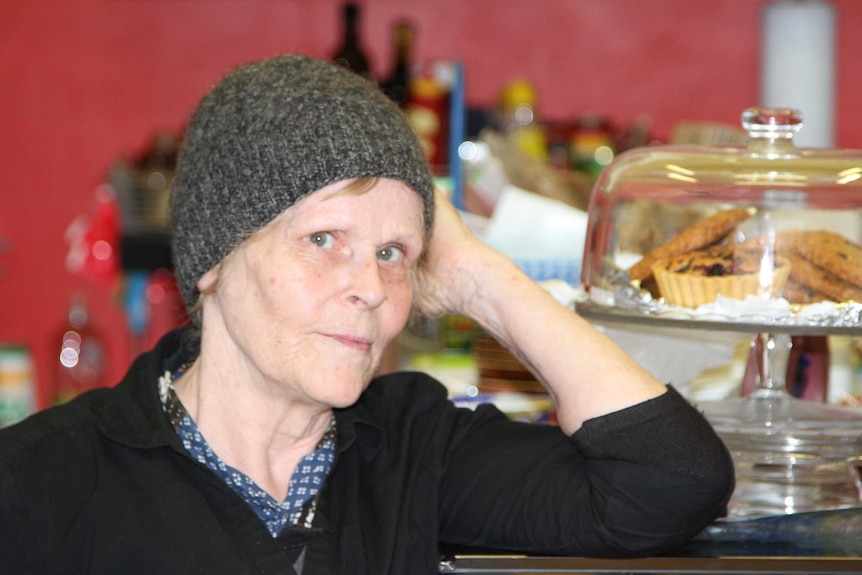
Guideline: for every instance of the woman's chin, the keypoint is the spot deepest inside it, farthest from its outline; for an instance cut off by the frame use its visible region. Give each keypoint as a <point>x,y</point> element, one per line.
<point>346,394</point>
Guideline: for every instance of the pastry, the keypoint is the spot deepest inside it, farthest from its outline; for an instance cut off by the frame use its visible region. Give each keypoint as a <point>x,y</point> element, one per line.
<point>699,235</point>
<point>696,278</point>
<point>832,252</point>
<point>796,292</point>
<point>818,279</point>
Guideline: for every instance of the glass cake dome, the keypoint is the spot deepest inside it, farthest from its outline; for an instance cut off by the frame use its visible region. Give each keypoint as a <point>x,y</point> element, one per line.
<point>773,225</point>
<point>763,238</point>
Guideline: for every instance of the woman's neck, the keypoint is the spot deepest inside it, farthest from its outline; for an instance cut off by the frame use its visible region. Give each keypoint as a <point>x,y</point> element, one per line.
<point>249,424</point>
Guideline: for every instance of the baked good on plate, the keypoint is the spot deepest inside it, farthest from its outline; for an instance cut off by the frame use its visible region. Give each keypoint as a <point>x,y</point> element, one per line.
<point>699,277</point>
<point>698,235</point>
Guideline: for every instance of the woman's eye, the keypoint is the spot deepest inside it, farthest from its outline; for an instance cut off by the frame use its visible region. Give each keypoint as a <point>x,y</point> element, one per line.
<point>390,254</point>
<point>322,239</point>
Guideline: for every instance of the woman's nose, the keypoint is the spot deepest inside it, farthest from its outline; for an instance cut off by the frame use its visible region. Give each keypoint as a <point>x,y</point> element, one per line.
<point>367,286</point>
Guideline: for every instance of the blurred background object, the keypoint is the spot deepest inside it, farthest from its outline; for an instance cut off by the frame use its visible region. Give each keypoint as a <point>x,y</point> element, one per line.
<point>397,84</point>
<point>799,49</point>
<point>95,81</point>
<point>80,362</point>
<point>17,384</point>
<point>351,53</point>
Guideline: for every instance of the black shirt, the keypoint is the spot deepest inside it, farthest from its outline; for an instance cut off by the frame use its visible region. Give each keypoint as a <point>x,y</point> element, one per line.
<point>102,485</point>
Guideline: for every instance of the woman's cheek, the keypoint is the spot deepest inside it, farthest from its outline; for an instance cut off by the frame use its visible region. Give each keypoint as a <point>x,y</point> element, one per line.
<point>401,296</point>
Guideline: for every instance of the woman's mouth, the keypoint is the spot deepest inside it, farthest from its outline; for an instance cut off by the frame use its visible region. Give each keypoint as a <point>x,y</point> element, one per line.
<point>357,343</point>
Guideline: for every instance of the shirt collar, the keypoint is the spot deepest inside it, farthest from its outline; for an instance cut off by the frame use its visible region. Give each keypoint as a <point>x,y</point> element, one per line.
<point>134,416</point>
<point>356,425</point>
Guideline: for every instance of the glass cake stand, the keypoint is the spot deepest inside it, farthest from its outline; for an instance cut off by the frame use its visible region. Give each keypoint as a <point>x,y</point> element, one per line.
<point>791,455</point>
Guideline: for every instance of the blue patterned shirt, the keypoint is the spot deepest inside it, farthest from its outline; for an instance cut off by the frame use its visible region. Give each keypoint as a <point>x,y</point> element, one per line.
<point>298,506</point>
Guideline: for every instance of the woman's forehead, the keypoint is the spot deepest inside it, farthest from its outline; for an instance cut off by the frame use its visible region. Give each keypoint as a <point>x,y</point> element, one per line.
<point>390,201</point>
<point>383,191</point>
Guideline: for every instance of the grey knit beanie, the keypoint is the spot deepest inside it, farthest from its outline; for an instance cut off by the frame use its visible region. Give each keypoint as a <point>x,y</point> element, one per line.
<point>270,133</point>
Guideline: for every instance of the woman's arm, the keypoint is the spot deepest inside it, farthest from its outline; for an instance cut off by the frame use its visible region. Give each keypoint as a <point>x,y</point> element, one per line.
<point>642,471</point>
<point>586,374</point>
<point>639,481</point>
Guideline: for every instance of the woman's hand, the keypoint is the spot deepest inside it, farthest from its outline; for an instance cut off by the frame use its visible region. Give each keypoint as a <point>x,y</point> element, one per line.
<point>448,276</point>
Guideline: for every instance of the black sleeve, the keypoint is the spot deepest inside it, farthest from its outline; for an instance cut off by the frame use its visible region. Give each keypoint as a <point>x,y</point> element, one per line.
<point>635,482</point>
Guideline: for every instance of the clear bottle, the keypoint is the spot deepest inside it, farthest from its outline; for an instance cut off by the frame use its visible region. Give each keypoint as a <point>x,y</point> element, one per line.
<point>517,117</point>
<point>81,361</point>
<point>397,85</point>
<point>351,54</point>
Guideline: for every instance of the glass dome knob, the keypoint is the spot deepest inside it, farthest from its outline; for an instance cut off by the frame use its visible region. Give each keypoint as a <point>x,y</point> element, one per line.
<point>771,122</point>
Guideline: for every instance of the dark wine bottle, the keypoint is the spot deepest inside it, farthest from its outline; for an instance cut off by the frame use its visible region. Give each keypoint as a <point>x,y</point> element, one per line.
<point>350,54</point>
<point>397,85</point>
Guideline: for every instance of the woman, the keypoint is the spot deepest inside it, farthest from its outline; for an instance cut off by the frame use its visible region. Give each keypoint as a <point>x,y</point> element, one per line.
<point>257,441</point>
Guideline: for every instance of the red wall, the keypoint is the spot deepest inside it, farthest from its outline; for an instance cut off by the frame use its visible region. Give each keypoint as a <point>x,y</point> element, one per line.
<point>84,81</point>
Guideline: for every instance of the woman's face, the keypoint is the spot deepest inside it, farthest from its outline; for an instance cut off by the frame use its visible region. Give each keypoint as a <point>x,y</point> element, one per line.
<point>307,305</point>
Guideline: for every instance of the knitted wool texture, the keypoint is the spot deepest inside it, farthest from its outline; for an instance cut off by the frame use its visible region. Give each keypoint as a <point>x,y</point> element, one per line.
<point>270,133</point>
